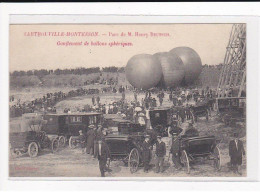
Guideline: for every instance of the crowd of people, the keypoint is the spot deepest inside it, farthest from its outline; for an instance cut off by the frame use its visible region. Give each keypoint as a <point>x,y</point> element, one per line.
<point>153,148</point>
<point>47,102</point>
<point>137,111</point>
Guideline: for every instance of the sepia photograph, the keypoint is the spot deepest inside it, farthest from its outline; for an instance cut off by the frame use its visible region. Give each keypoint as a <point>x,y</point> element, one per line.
<point>128,100</point>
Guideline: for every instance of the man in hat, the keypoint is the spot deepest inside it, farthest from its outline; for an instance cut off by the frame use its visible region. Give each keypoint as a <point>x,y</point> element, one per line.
<point>146,153</point>
<point>98,136</point>
<point>175,151</point>
<point>236,150</point>
<point>174,129</point>
<point>103,156</point>
<point>135,96</point>
<point>93,100</point>
<point>90,139</point>
<point>160,153</point>
<point>82,140</point>
<point>98,100</point>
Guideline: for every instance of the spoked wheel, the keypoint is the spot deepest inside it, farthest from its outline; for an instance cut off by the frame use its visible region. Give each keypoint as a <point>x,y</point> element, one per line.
<point>185,161</point>
<point>72,143</point>
<point>54,145</point>
<point>217,158</point>
<point>62,141</point>
<point>133,161</point>
<point>33,149</point>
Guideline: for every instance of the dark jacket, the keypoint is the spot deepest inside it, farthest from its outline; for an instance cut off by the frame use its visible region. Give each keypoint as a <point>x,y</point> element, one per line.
<point>90,137</point>
<point>105,153</point>
<point>146,152</point>
<point>175,129</point>
<point>99,135</point>
<point>160,149</point>
<point>235,152</point>
<point>82,140</point>
<point>175,149</point>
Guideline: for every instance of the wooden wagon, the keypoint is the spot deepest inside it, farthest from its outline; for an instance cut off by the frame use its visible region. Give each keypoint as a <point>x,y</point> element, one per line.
<point>194,148</point>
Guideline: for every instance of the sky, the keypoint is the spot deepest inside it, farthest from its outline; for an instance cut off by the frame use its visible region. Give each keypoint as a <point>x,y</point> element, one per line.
<point>29,52</point>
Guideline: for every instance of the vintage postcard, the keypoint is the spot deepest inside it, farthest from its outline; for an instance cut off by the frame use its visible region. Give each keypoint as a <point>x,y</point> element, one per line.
<point>128,100</point>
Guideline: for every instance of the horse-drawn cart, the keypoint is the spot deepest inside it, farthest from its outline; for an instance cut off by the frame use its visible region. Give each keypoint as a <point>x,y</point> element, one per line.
<point>67,126</point>
<point>126,144</point>
<point>231,109</point>
<point>200,110</point>
<point>193,148</point>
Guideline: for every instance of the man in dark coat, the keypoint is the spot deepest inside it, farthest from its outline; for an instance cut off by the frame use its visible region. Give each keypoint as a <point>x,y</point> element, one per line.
<point>82,140</point>
<point>99,135</point>
<point>103,156</point>
<point>135,96</point>
<point>98,100</point>
<point>90,140</point>
<point>236,150</point>
<point>175,151</point>
<point>174,129</point>
<point>160,153</point>
<point>146,153</point>
<point>93,100</point>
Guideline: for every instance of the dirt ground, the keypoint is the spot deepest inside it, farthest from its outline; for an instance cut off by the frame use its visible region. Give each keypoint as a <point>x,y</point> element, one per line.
<point>72,163</point>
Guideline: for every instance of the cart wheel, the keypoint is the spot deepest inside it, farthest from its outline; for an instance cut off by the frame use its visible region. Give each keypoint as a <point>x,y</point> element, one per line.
<point>72,143</point>
<point>185,161</point>
<point>62,141</point>
<point>133,161</point>
<point>33,149</point>
<point>217,159</point>
<point>54,145</point>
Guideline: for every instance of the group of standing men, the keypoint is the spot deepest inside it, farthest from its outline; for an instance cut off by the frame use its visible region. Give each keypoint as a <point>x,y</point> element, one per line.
<point>93,143</point>
<point>160,153</point>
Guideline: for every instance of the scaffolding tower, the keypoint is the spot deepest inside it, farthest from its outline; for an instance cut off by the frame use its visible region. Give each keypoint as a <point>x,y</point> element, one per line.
<point>233,73</point>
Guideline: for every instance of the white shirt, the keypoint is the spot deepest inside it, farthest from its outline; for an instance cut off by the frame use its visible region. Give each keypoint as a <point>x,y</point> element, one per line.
<point>99,149</point>
<point>236,143</point>
<point>147,114</point>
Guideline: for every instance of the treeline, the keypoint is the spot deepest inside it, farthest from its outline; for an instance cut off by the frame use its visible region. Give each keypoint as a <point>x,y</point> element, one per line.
<point>85,76</point>
<point>76,71</point>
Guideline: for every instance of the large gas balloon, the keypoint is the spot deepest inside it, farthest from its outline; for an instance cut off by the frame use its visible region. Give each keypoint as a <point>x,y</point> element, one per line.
<point>143,71</point>
<point>172,69</point>
<point>192,63</point>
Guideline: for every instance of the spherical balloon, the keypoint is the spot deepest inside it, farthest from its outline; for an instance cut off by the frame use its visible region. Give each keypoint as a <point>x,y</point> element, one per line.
<point>172,69</point>
<point>192,63</point>
<point>143,71</point>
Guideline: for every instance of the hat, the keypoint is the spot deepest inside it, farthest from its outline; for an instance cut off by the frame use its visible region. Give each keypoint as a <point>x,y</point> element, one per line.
<point>174,134</point>
<point>99,125</point>
<point>141,114</point>
<point>147,136</point>
<point>91,126</point>
<point>80,131</point>
<point>159,136</point>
